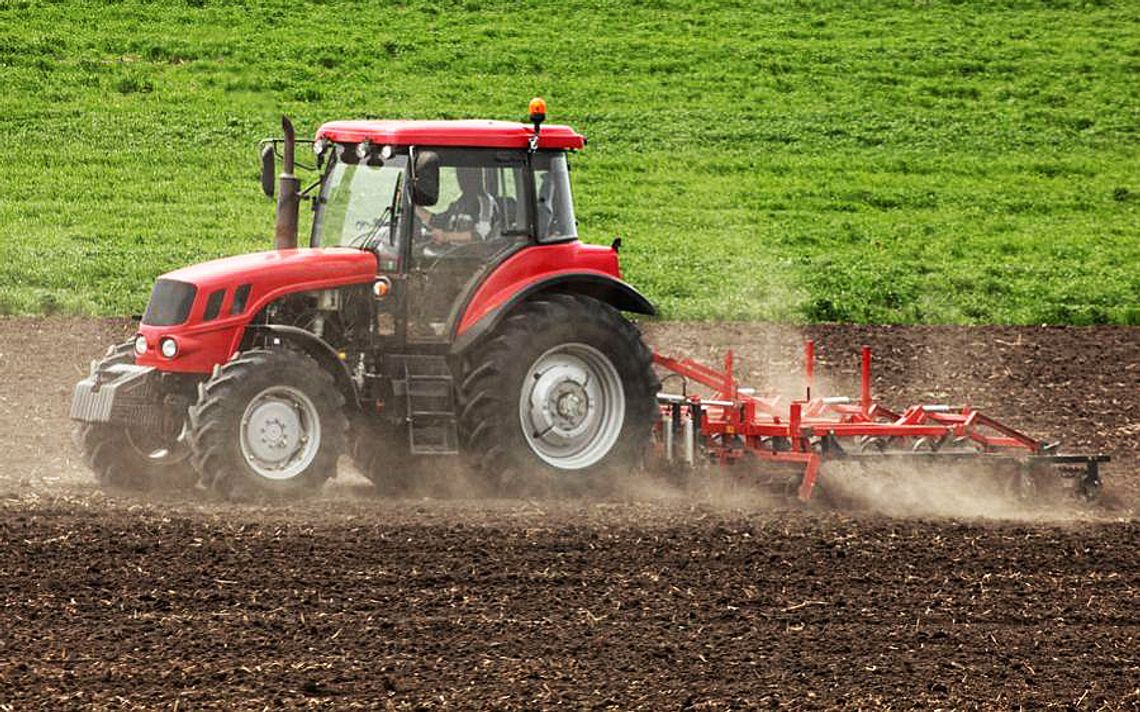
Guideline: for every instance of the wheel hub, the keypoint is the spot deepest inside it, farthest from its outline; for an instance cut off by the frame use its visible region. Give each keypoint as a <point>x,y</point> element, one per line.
<point>159,447</point>
<point>274,427</point>
<point>560,399</point>
<point>572,406</point>
<point>572,403</point>
<point>279,433</point>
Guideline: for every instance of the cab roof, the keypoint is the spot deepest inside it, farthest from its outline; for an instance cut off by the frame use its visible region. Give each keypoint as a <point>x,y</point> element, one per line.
<point>471,133</point>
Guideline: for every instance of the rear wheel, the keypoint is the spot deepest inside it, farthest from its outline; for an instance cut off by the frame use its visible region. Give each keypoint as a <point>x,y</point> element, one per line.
<point>268,424</point>
<point>560,399</point>
<point>137,457</point>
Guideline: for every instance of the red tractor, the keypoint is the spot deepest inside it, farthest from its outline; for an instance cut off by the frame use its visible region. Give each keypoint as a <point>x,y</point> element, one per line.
<point>444,305</point>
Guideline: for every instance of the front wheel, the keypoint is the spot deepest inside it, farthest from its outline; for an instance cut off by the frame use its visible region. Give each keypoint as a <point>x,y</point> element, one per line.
<point>151,456</point>
<point>561,397</point>
<point>268,424</point>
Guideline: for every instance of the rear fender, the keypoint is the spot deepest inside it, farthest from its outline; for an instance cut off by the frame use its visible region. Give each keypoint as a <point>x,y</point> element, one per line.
<point>318,349</point>
<point>604,288</point>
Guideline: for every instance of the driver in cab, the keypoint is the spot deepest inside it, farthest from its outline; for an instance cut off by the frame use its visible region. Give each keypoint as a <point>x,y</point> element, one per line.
<point>473,216</point>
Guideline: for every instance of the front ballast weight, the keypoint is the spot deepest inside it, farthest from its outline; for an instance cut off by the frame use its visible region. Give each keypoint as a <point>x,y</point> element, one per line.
<point>733,424</point>
<point>131,424</point>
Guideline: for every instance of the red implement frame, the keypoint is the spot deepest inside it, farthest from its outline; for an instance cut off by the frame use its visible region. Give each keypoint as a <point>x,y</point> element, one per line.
<point>733,421</point>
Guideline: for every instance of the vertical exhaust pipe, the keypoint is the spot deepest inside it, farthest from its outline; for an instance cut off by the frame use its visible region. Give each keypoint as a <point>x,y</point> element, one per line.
<point>288,193</point>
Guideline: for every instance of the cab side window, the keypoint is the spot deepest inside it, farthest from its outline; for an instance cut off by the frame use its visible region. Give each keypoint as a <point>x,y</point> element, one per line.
<point>480,198</point>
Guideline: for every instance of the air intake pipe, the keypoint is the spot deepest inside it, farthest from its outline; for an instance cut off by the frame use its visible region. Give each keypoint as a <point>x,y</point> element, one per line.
<point>288,193</point>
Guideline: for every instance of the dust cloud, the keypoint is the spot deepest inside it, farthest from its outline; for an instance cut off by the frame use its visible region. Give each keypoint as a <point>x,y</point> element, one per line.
<point>903,490</point>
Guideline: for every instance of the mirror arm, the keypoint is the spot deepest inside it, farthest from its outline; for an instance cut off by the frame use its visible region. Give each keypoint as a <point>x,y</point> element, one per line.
<point>277,142</point>
<point>305,192</point>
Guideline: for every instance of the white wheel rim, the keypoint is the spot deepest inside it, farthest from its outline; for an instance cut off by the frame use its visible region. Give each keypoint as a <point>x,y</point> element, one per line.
<point>572,406</point>
<point>280,433</point>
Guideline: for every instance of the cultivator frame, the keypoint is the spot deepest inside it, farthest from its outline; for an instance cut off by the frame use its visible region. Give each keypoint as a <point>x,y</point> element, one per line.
<point>734,424</point>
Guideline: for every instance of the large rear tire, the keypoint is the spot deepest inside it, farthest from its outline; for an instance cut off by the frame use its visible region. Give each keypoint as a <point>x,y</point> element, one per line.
<point>560,400</point>
<point>269,424</point>
<point>139,458</point>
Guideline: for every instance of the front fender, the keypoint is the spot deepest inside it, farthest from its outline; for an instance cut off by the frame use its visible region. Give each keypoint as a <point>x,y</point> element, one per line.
<point>602,287</point>
<point>316,348</point>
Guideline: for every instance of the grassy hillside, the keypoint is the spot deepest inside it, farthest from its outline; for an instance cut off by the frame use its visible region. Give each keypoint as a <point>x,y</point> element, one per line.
<point>879,161</point>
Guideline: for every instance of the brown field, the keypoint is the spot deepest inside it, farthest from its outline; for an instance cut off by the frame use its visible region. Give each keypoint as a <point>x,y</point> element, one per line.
<point>654,601</point>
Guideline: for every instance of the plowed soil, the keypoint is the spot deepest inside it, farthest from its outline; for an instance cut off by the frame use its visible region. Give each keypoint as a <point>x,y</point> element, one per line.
<point>652,602</point>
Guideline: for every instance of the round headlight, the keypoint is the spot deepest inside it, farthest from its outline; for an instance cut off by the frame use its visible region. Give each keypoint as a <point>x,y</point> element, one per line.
<point>363,149</point>
<point>140,344</point>
<point>169,347</point>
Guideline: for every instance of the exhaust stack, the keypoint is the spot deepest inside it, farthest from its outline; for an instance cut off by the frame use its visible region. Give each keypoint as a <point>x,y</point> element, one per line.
<point>288,193</point>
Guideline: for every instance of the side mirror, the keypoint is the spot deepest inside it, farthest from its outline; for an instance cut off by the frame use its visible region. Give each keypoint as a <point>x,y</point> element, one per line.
<point>425,184</point>
<point>268,169</point>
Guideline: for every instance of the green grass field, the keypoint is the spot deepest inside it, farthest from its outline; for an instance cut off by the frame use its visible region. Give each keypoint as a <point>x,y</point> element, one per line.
<point>868,161</point>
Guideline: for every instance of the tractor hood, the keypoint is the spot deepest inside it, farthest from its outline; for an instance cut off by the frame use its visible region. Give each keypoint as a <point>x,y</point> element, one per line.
<point>213,293</point>
<point>205,308</point>
<point>281,270</point>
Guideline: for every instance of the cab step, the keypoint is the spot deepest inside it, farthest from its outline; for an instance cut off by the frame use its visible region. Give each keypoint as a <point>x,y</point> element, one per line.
<point>429,392</point>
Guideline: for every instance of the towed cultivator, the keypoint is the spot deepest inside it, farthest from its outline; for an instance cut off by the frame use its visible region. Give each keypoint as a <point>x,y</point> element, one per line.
<point>733,424</point>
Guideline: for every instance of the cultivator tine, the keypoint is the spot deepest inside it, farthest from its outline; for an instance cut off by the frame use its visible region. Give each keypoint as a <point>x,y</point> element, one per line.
<point>807,485</point>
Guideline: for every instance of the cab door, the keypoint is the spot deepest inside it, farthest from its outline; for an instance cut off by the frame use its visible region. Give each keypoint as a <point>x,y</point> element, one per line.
<point>479,219</point>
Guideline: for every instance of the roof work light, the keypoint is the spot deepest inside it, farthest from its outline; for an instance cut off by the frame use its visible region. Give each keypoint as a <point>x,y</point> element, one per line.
<point>537,110</point>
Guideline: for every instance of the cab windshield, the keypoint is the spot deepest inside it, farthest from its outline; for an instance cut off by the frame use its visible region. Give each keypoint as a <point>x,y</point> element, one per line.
<point>360,206</point>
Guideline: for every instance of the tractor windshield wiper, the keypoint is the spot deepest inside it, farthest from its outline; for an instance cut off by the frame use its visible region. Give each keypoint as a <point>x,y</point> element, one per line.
<point>368,239</point>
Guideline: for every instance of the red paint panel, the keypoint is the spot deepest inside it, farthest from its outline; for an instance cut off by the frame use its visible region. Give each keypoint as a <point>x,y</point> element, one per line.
<point>198,350</point>
<point>534,264</point>
<point>271,275</point>
<point>272,269</point>
<point>471,133</point>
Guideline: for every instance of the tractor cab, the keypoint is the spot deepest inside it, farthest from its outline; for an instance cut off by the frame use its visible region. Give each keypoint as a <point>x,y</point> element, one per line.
<point>440,203</point>
<point>437,217</point>
<point>483,196</point>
